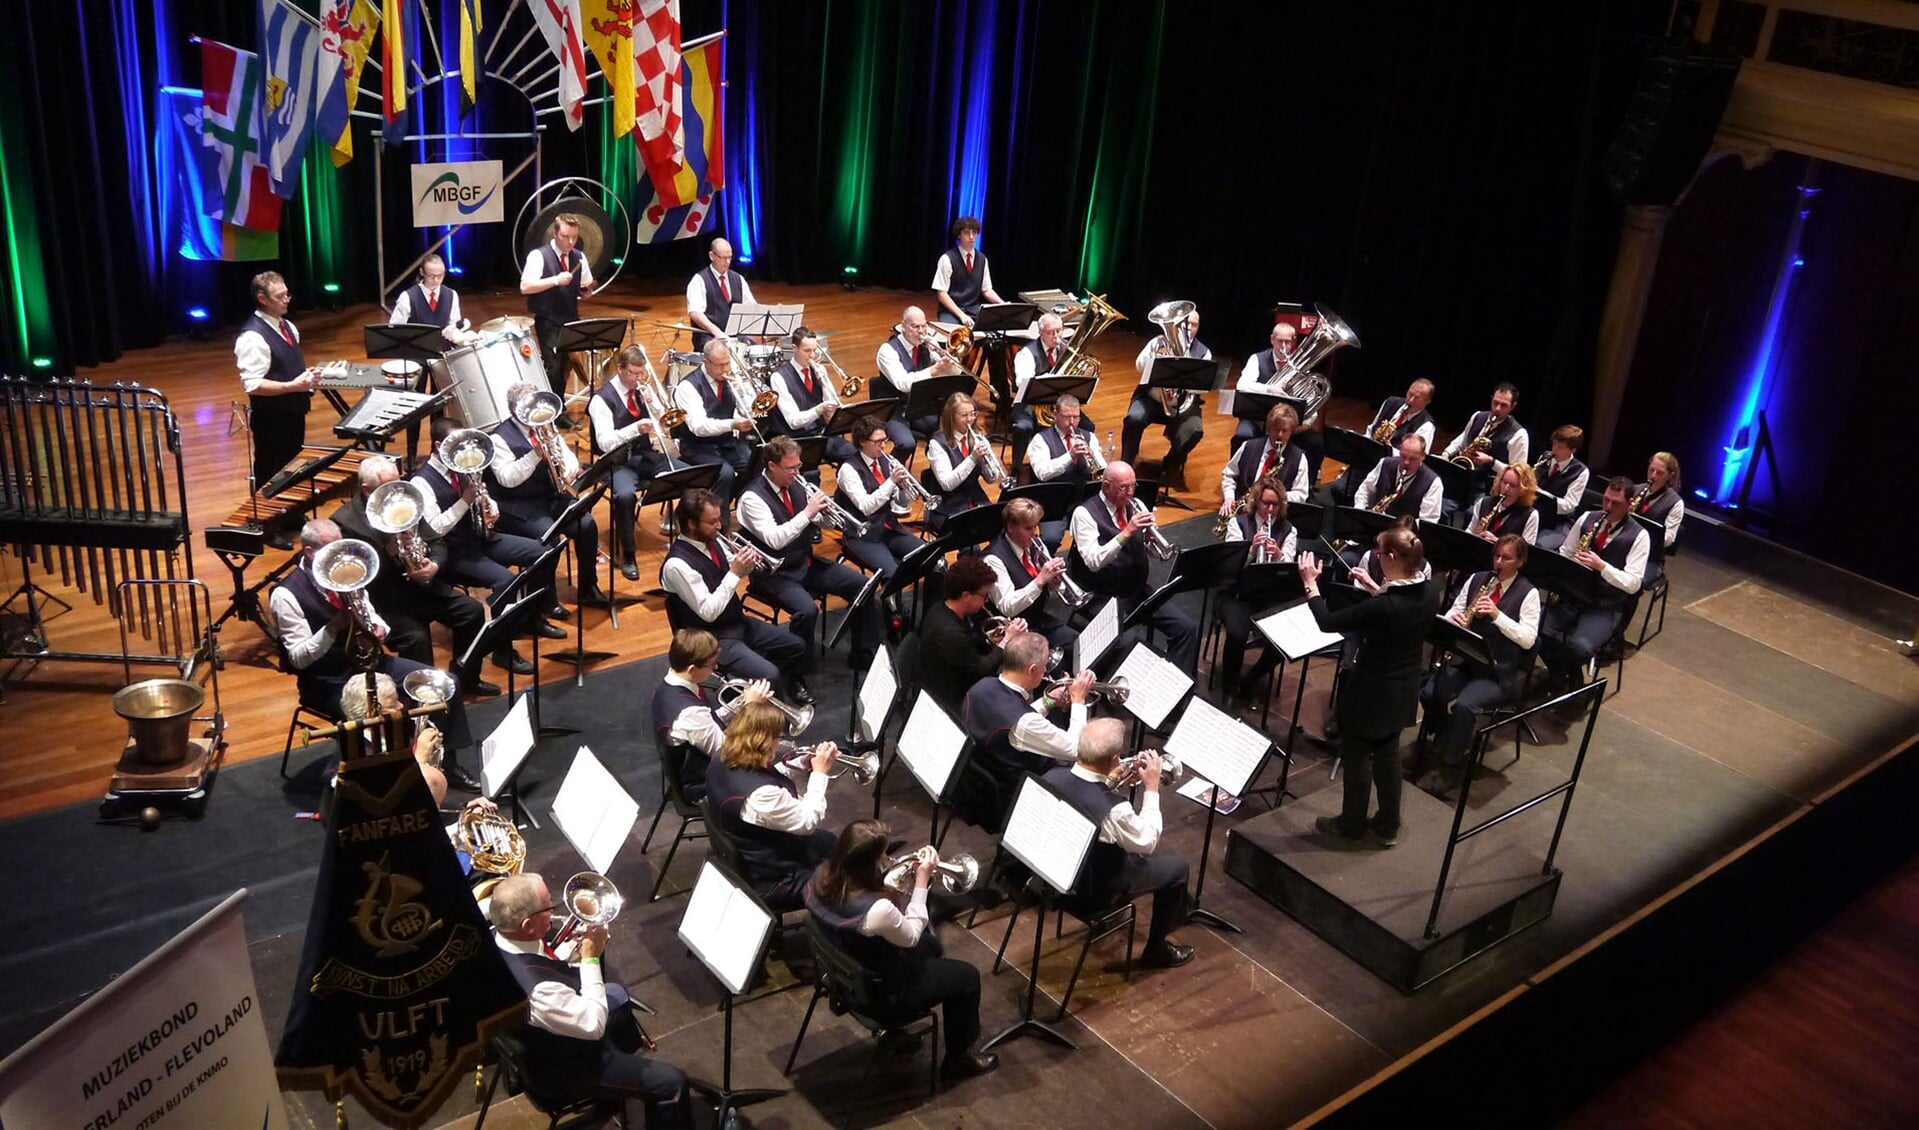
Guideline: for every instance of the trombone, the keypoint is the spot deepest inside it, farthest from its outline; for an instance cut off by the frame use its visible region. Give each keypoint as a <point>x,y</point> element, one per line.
<point>863,766</point>
<point>849,386</point>
<point>798,718</point>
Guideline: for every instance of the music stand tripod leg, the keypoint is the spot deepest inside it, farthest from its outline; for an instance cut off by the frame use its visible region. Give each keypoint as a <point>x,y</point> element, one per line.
<point>1026,1025</point>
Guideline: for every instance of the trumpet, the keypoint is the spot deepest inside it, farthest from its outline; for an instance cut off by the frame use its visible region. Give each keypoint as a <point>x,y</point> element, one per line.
<point>346,567</point>
<point>989,464</point>
<point>1114,693</point>
<point>863,766</point>
<point>470,452</point>
<point>1156,543</point>
<point>731,546</point>
<point>835,515</point>
<point>911,488</point>
<point>394,509</point>
<point>798,718</point>
<point>535,411</point>
<point>996,626</point>
<point>956,876</point>
<point>1130,770</point>
<point>849,386</point>
<point>1070,593</point>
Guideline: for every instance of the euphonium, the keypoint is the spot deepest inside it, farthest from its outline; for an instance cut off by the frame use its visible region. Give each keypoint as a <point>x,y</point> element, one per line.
<point>1097,315</point>
<point>1130,769</point>
<point>1294,378</point>
<point>798,718</point>
<point>863,766</point>
<point>1156,543</point>
<point>347,566</point>
<point>536,410</point>
<point>955,876</point>
<point>394,509</point>
<point>470,452</point>
<point>430,686</point>
<point>1171,317</point>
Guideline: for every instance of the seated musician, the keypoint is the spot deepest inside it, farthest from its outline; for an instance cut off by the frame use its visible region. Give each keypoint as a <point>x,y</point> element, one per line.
<point>279,388</point>
<point>954,651</point>
<point>1259,376</point>
<point>773,808</point>
<point>961,278</point>
<point>1184,427</point>
<point>717,425</point>
<point>1397,418</point>
<point>809,399</point>
<point>780,515</point>
<point>619,414</point>
<point>1067,452</point>
<point>1010,728</point>
<point>702,591</point>
<point>1658,501</point>
<point>1403,485</point>
<point>958,456</point>
<point>428,741</point>
<point>1038,358</point>
<point>713,292</point>
<point>325,645</point>
<point>1122,861</point>
<point>1109,559</point>
<point>430,302</point>
<point>1610,542</point>
<point>905,359</point>
<point>529,498</point>
<point>892,938</point>
<point>685,714</point>
<point>879,490</point>
<point>582,1039</point>
<point>413,597</point>
<point>1509,508</point>
<point>1494,438</point>
<point>1562,475</point>
<point>484,556</point>
<point>1503,607</point>
<point>1271,540</point>
<point>1027,575</point>
<point>1274,456</point>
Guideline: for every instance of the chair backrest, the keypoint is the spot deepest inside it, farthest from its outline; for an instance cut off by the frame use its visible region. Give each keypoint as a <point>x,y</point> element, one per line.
<point>906,661</point>
<point>725,850</point>
<point>850,987</point>
<point>673,757</point>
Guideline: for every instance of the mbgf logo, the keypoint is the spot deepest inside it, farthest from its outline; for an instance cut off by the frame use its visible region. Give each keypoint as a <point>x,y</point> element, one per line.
<point>447,189</point>
<point>458,192</point>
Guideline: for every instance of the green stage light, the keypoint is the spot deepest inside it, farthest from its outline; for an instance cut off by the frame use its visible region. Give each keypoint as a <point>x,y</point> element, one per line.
<point>43,362</point>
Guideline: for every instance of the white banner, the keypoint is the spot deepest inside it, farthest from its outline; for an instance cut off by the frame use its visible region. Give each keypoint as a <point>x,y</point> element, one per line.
<point>175,1042</point>
<point>458,192</point>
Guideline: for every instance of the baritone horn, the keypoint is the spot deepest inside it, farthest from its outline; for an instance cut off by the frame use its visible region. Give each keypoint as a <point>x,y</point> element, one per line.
<point>955,876</point>
<point>394,509</point>
<point>798,718</point>
<point>535,410</point>
<point>469,452</point>
<point>1171,317</point>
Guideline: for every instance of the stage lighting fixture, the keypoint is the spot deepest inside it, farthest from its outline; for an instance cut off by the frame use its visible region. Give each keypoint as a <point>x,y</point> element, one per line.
<point>43,362</point>
<point>198,313</point>
<point>330,288</point>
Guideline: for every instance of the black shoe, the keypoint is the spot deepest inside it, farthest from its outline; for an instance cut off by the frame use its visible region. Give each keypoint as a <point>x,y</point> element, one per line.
<point>548,631</point>
<point>459,778</point>
<point>801,695</point>
<point>1169,954</point>
<point>968,1063</point>
<point>513,661</point>
<point>481,688</point>
<point>629,570</point>
<point>559,612</point>
<point>1386,839</point>
<point>593,596</point>
<point>1328,829</point>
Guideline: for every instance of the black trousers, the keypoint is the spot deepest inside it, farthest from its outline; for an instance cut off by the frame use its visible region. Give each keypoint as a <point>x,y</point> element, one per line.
<point>733,456</point>
<point>906,434</point>
<point>1369,764</point>
<point>490,562</point>
<point>1162,876</point>
<point>1463,691</point>
<point>529,517</point>
<point>882,554</point>
<point>1183,432</point>
<point>548,332</point>
<point>277,438</point>
<point>414,609</point>
<point>952,986</point>
<point>795,592</point>
<point>755,649</point>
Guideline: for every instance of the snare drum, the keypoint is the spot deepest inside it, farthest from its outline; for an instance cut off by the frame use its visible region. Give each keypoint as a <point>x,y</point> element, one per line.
<point>765,358</point>
<point>401,372</point>
<point>680,364</point>
<point>480,375</point>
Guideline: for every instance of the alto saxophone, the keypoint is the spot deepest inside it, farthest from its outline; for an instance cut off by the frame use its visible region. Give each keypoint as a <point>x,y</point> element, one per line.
<point>1486,520</point>
<point>1586,539</point>
<point>1482,443</point>
<point>1384,432</point>
<point>1381,505</point>
<point>1485,591</point>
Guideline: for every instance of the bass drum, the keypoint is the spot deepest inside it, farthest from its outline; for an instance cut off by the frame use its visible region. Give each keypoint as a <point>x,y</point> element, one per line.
<point>481,374</point>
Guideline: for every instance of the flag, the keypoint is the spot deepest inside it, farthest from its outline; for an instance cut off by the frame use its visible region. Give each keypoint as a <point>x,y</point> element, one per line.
<point>559,22</point>
<point>393,62</point>
<point>346,35</point>
<point>290,47</point>
<point>231,127</point>
<point>704,170</point>
<point>656,63</point>
<point>470,27</point>
<point>190,187</point>
<point>609,32</point>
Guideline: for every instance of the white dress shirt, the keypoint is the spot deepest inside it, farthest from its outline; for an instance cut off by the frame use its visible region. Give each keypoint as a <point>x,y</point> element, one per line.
<point>702,727</point>
<point>895,370</point>
<point>1485,504</point>
<point>759,520</point>
<point>1249,380</point>
<point>304,645</point>
<point>685,582</point>
<point>254,357</point>
<point>1026,366</point>
<point>696,295</point>
<point>1424,431</point>
<point>686,394</point>
<point>949,474</point>
<point>790,409</point>
<point>511,472</point>
<point>1374,485</point>
<point>868,502</point>
<point>1518,448</point>
<point>943,274</point>
<point>1626,580</point>
<point>1047,466</point>
<point>1296,491</point>
<point>1011,595</point>
<point>556,1007</point>
<point>403,309</point>
<point>1136,832</point>
<point>1575,490</point>
<point>1086,536</point>
<point>1522,632</point>
<point>777,810</point>
<point>884,919</point>
<point>435,519</point>
<point>606,437</point>
<point>1033,732</point>
<point>534,269</point>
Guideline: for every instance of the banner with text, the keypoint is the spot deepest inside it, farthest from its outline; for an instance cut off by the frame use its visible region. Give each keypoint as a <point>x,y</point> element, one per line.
<point>175,1042</point>
<point>447,193</point>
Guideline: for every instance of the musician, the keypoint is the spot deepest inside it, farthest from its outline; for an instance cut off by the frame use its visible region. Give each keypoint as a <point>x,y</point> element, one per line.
<point>954,651</point>
<point>712,293</point>
<point>278,384</point>
<point>1274,457</point>
<point>684,712</point>
<point>702,591</point>
<point>1122,860</point>
<point>878,489</point>
<point>1381,689</point>
<point>1183,428</point>
<point>1403,484</point>
<point>1038,358</point>
<point>1397,418</point>
<point>1562,475</point>
<point>961,278</point>
<point>1027,576</point>
<point>1011,728</point>
<point>619,414</point>
<point>773,808</point>
<point>1608,541</point>
<point>1509,508</point>
<point>957,455</point>
<point>1257,376</point>
<point>905,359</point>
<point>1068,450</point>
<point>529,499</point>
<point>486,559</point>
<point>1503,607</point>
<point>552,278</point>
<point>430,302</point>
<point>1109,559</point>
<point>780,514</point>
<point>1507,442</point>
<point>808,398</point>
<point>410,598</point>
<point>717,424</point>
<point>1271,539</point>
<point>892,938</point>
<point>1658,501</point>
<point>581,1036</point>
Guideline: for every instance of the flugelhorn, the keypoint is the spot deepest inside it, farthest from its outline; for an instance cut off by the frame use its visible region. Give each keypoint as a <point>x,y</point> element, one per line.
<point>798,718</point>
<point>590,899</point>
<point>1130,769</point>
<point>469,452</point>
<point>1114,692</point>
<point>863,766</point>
<point>536,410</point>
<point>910,487</point>
<point>1156,543</point>
<point>394,509</point>
<point>1070,593</point>
<point>346,567</point>
<point>955,876</point>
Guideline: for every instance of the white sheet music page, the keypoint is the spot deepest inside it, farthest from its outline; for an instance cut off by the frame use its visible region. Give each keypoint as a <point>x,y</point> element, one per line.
<point>1048,835</point>
<point>594,811</point>
<point>1217,746</point>
<point>930,745</point>
<point>877,691</point>
<point>502,750</point>
<point>1097,636</point>
<point>1153,686</point>
<point>1295,632</point>
<point>724,928</point>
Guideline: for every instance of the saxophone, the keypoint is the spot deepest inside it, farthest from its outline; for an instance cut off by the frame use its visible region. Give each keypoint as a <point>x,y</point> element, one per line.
<point>1485,591</point>
<point>1586,539</point>
<point>1384,432</point>
<point>1486,520</point>
<point>1482,443</point>
<point>1382,504</point>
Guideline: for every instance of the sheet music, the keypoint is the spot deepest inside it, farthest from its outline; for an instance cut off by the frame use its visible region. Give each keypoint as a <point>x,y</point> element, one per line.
<point>1097,636</point>
<point>1048,835</point>
<point>724,928</point>
<point>1295,633</point>
<point>931,744</point>
<point>1153,686</point>
<point>877,692</point>
<point>1217,746</point>
<point>502,750</point>
<point>594,811</point>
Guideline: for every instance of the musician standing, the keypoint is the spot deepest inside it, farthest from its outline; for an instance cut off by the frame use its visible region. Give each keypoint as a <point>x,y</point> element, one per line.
<point>1185,426</point>
<point>808,400</point>
<point>1274,457</point>
<point>875,487</point>
<point>1503,607</point>
<point>530,498</point>
<point>1109,559</point>
<point>1562,475</point>
<point>702,591</point>
<point>713,292</point>
<point>1027,576</point>
<point>1010,727</point>
<point>774,809</point>
<point>1397,418</point>
<point>278,384</point>
<point>717,424</point>
<point>1509,508</point>
<point>1122,859</point>
<point>1271,540</point>
<point>954,651</point>
<point>554,275</point>
<point>430,302</point>
<point>618,415</point>
<point>904,360</point>
<point>1609,542</point>
<point>1506,442</point>
<point>1257,376</point>
<point>961,278</point>
<point>957,455</point>
<point>688,725</point>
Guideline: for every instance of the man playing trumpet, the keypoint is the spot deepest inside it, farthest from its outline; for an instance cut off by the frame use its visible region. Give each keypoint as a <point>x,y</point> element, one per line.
<point>879,490</point>
<point>1011,727</point>
<point>1109,559</point>
<point>702,586</point>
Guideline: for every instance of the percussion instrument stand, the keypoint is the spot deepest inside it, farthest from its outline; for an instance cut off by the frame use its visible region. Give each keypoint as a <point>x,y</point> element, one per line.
<point>590,336</point>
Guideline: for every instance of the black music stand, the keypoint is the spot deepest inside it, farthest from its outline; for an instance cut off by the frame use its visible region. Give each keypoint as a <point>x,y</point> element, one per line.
<point>1200,569</point>
<point>1254,406</point>
<point>920,564</point>
<point>1057,499</point>
<point>1004,317</point>
<point>498,631</point>
<point>869,592</point>
<point>1359,525</point>
<point>1567,577</point>
<point>1449,547</point>
<point>928,395</point>
<point>1456,481</point>
<point>404,341</point>
<point>668,487</point>
<point>1182,375</point>
<point>512,592</point>
<point>1359,451</point>
<point>556,534</point>
<point>1049,388</point>
<point>871,412</point>
<point>589,336</point>
<point>978,526</point>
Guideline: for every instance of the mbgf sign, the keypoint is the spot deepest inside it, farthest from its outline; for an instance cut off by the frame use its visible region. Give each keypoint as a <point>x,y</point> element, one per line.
<point>457,192</point>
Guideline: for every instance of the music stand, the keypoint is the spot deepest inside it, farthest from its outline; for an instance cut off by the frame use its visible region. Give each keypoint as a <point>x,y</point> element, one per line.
<point>1361,525</point>
<point>727,928</point>
<point>404,341</point>
<point>977,526</point>
<point>1058,499</point>
<point>1359,451</point>
<point>1004,317</point>
<point>1254,406</point>
<point>1449,547</point>
<point>589,336</point>
<point>1201,569</point>
<point>1047,389</point>
<point>928,394</point>
<point>1182,375</point>
<point>1298,638</point>
<point>1230,754</point>
<point>555,534</point>
<point>916,566</point>
<point>494,633</point>
<point>1567,577</point>
<point>669,486</point>
<point>867,595</point>
<point>750,319</point>
<point>511,591</point>
<point>934,748</point>
<point>871,412</point>
<point>1051,837</point>
<point>1456,482</point>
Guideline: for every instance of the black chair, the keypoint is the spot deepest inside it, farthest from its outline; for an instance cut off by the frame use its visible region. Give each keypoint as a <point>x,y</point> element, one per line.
<point>850,990</point>
<point>672,791</point>
<point>561,1112</point>
<point>1654,595</point>
<point>314,713</point>
<point>1101,917</point>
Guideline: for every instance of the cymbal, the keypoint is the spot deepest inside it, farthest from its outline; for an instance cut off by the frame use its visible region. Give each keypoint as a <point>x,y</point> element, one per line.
<point>681,326</point>
<point>507,323</point>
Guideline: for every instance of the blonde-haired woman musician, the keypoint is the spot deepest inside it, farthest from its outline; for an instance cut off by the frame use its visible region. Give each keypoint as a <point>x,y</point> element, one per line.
<point>957,455</point>
<point>771,808</point>
<point>1508,508</point>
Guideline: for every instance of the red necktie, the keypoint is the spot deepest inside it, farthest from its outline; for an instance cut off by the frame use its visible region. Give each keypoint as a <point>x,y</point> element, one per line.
<point>969,262</point>
<point>333,598</point>
<point>632,402</point>
<point>1049,360</point>
<point>806,374</point>
<point>966,447</point>
<point>1604,536</point>
<point>1265,462</point>
<point>433,299</point>
<point>1499,590</point>
<point>878,479</point>
<point>714,549</point>
<point>725,293</point>
<point>792,504</point>
<point>1026,559</point>
<point>286,331</point>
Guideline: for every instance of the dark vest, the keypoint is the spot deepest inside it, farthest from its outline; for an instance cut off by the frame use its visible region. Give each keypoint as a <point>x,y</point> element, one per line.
<point>1104,871</point>
<point>889,963</point>
<point>287,362</point>
<point>1125,572</point>
<point>797,553</point>
<point>446,496</point>
<point>1038,350</point>
<point>1409,499</point>
<point>965,287</point>
<point>766,855</point>
<point>1558,485</point>
<point>879,523</point>
<point>1656,508</point>
<point>969,493</point>
<point>539,484</point>
<point>1285,468</point>
<point>718,306</point>
<point>551,1057</point>
<point>719,406</point>
<point>1510,521</point>
<point>678,613</point>
<point>1009,557</point>
<point>669,701</point>
<point>319,612</point>
<point>1281,530</point>
<point>1076,471</point>
<point>610,396</point>
<point>987,716</point>
<point>1506,654</point>
<point>914,360</point>
<point>789,373</point>
<point>1407,426</point>
<point>562,303</point>
<point>420,314</point>
<point>1501,434</point>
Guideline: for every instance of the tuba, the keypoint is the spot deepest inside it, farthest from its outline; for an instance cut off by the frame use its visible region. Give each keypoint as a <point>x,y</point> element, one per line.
<point>1097,316</point>
<point>1295,379</point>
<point>1171,317</point>
<point>470,451</point>
<point>535,410</point>
<point>346,567</point>
<point>394,509</point>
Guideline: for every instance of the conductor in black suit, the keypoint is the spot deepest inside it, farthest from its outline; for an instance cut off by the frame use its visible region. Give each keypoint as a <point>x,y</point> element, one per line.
<point>1381,691</point>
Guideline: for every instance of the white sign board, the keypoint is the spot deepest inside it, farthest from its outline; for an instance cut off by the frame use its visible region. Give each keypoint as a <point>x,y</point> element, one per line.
<point>446,193</point>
